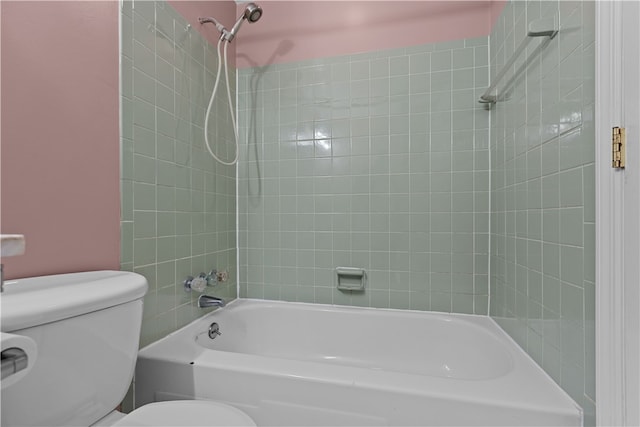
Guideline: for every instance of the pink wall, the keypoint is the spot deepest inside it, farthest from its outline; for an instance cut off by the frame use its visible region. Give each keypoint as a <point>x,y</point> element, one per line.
<point>305,29</point>
<point>60,148</point>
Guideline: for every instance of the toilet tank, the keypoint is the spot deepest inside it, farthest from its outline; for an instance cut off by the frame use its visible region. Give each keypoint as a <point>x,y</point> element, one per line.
<point>86,327</point>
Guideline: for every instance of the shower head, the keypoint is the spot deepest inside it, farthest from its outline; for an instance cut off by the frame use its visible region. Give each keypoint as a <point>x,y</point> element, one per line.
<point>252,13</point>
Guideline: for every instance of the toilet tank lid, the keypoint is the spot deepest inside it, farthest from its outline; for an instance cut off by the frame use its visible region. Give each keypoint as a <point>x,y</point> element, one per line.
<point>38,300</point>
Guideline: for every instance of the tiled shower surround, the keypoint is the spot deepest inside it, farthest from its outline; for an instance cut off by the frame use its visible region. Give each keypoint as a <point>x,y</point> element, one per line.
<point>377,161</point>
<point>543,196</point>
<point>178,205</point>
<point>383,161</point>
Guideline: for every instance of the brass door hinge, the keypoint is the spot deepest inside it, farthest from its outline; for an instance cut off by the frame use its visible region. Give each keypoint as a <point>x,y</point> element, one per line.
<point>618,147</point>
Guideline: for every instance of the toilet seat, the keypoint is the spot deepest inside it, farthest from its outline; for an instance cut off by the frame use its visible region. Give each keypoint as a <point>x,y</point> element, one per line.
<point>186,413</point>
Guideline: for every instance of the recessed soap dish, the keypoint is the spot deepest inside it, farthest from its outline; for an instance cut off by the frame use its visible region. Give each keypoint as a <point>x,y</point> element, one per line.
<point>351,279</point>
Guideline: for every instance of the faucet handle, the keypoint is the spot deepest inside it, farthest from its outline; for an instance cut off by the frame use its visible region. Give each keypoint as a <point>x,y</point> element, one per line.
<point>212,277</point>
<point>198,284</point>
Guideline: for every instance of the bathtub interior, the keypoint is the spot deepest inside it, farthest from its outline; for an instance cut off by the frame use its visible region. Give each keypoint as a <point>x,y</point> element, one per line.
<point>360,338</point>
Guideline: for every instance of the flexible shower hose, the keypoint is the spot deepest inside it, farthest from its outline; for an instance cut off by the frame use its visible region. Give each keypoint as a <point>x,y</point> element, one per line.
<point>213,95</point>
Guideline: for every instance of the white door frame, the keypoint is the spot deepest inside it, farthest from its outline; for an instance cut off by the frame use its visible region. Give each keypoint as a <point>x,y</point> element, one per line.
<point>617,215</point>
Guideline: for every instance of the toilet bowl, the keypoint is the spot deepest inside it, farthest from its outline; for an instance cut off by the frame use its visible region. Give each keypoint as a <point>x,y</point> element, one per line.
<point>86,329</point>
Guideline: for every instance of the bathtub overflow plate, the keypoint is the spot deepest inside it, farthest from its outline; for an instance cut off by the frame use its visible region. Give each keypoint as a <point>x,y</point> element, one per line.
<point>214,330</point>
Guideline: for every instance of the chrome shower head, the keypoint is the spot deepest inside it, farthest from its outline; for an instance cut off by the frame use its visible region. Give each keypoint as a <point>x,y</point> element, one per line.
<point>252,13</point>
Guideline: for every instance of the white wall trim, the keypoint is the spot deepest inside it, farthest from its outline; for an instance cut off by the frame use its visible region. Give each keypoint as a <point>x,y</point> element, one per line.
<point>630,95</point>
<point>609,297</point>
<point>616,329</point>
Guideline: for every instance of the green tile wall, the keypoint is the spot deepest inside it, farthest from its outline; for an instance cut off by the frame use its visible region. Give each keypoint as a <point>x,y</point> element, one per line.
<point>178,205</point>
<point>543,196</point>
<point>378,160</point>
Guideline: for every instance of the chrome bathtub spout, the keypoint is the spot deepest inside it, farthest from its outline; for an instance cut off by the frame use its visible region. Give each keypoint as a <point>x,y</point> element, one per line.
<point>206,301</point>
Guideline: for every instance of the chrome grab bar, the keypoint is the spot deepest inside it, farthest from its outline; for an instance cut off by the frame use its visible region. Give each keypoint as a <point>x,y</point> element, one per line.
<point>543,27</point>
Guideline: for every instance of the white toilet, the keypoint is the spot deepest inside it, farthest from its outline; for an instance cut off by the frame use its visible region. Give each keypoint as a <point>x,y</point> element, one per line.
<point>86,328</point>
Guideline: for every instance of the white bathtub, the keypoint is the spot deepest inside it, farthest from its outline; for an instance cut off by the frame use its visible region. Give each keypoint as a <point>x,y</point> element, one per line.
<point>306,364</point>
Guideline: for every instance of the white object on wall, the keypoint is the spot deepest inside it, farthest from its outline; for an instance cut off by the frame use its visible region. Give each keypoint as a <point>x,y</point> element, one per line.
<point>12,245</point>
